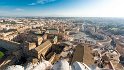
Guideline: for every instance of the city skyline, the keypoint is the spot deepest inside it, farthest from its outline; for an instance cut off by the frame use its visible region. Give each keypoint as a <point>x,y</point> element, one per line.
<point>62,8</point>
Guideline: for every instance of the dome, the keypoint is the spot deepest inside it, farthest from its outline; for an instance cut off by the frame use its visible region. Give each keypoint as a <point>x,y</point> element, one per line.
<point>79,66</point>
<point>61,65</point>
<point>39,66</point>
<point>15,67</point>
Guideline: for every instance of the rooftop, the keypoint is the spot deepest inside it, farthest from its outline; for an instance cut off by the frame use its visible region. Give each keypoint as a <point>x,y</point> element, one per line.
<point>83,54</point>
<point>45,44</point>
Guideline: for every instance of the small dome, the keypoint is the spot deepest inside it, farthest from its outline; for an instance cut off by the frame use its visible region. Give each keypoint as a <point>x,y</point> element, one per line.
<point>61,65</point>
<point>79,66</point>
<point>39,66</point>
<point>15,67</point>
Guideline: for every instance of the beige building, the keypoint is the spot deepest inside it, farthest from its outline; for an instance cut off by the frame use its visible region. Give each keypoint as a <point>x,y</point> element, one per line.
<point>39,40</point>
<point>42,49</point>
<point>83,54</point>
<point>28,48</point>
<point>120,45</point>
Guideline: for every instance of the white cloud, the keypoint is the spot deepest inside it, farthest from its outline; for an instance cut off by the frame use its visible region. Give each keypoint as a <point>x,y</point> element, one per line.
<point>32,4</point>
<point>42,2</point>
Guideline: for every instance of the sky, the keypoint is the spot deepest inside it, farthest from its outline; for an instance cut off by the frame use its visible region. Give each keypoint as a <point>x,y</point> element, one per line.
<point>62,8</point>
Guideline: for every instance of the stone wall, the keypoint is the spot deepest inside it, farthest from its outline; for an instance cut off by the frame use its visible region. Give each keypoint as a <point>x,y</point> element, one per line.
<point>9,45</point>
